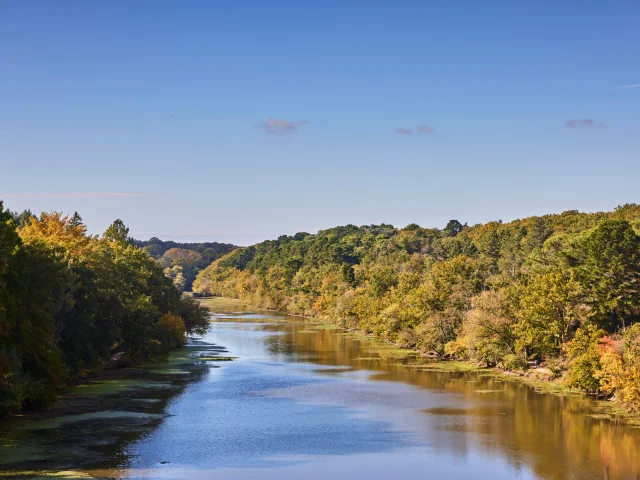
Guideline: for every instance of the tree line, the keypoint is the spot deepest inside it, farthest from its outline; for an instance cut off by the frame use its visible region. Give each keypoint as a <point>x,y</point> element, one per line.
<point>70,302</point>
<point>183,261</point>
<point>559,290</point>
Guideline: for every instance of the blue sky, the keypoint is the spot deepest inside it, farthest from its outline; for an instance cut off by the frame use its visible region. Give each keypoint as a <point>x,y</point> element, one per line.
<point>240,121</point>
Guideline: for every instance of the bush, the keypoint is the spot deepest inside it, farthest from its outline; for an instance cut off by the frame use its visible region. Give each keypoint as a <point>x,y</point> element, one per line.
<point>457,349</point>
<point>514,362</point>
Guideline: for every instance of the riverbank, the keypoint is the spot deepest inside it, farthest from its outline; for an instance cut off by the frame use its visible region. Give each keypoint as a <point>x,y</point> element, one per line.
<point>71,399</point>
<point>368,405</point>
<point>115,388</point>
<point>541,380</point>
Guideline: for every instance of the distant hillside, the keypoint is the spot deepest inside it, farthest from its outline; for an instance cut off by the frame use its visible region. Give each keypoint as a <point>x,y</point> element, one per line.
<point>183,261</point>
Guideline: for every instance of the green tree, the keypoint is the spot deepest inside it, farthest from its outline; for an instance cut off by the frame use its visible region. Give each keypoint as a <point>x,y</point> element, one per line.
<point>118,232</point>
<point>453,228</point>
<point>611,273</point>
<point>549,306</point>
<point>76,220</point>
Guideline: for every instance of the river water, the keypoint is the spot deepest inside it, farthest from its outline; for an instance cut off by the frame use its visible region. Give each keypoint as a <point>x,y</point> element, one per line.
<point>304,401</point>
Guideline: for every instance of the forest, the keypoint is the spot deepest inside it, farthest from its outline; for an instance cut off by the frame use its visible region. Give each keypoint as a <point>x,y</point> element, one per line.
<point>70,302</point>
<point>558,293</point>
<point>183,261</point>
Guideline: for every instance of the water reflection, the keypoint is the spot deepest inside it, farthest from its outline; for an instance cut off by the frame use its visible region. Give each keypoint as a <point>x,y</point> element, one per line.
<point>308,402</point>
<point>463,412</point>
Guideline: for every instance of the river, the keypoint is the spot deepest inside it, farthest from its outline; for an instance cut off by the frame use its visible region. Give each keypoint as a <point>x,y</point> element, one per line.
<point>301,400</point>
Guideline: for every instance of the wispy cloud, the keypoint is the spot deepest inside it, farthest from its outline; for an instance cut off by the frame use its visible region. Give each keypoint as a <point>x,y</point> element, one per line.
<point>634,85</point>
<point>425,129</point>
<point>277,126</point>
<point>404,131</point>
<point>583,123</point>
<point>75,195</point>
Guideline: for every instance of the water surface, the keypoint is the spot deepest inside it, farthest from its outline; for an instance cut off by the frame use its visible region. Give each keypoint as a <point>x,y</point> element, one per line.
<point>302,401</point>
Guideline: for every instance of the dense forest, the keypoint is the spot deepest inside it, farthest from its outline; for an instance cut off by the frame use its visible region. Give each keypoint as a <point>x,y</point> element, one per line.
<point>183,261</point>
<point>562,291</point>
<point>70,302</point>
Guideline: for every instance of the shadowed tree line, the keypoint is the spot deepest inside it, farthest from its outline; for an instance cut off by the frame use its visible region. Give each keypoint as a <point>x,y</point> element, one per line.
<point>70,301</point>
<point>560,290</point>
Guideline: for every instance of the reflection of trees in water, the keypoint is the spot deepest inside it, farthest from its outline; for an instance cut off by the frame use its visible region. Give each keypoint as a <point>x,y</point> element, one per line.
<point>557,437</point>
<point>326,347</point>
<point>553,436</point>
<point>99,442</point>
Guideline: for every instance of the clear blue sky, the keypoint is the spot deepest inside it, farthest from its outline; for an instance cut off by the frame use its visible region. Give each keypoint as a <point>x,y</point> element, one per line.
<point>239,121</point>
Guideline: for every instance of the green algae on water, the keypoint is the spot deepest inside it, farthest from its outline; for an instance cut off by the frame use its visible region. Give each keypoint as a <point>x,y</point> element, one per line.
<point>112,387</point>
<point>392,352</point>
<point>56,422</point>
<point>217,359</point>
<point>46,474</point>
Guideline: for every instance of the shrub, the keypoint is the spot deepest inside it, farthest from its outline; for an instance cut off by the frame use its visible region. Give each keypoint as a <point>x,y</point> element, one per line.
<point>457,349</point>
<point>514,362</point>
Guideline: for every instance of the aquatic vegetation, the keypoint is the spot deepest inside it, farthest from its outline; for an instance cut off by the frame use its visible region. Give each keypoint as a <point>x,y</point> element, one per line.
<point>391,352</point>
<point>56,422</point>
<point>113,387</point>
<point>320,325</point>
<point>448,366</point>
<point>475,411</point>
<point>357,336</point>
<point>45,474</point>
<point>217,359</point>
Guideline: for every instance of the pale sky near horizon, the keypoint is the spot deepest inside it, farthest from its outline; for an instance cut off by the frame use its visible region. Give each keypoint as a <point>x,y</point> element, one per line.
<point>241,121</point>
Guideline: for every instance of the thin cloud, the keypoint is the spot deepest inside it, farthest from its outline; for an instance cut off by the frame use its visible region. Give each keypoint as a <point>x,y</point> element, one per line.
<point>277,126</point>
<point>425,129</point>
<point>583,123</point>
<point>75,195</point>
<point>634,85</point>
<point>404,131</point>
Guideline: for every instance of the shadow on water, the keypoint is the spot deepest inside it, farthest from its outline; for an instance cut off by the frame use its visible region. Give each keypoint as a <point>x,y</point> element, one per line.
<point>91,425</point>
